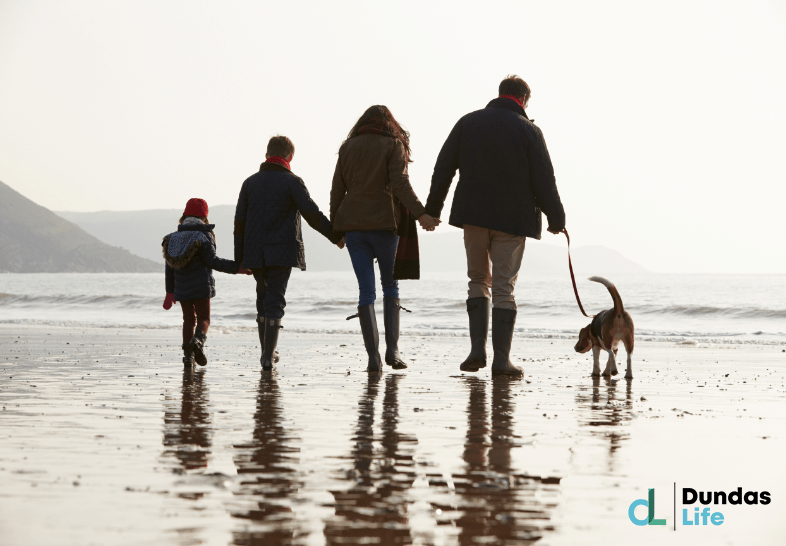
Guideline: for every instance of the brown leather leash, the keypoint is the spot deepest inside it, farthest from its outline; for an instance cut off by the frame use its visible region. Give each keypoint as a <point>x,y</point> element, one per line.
<point>573,278</point>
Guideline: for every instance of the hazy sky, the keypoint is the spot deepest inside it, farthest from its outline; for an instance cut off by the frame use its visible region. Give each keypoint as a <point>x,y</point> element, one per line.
<point>666,121</point>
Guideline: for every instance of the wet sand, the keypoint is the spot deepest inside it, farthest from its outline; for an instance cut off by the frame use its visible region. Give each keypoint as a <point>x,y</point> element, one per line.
<point>106,440</point>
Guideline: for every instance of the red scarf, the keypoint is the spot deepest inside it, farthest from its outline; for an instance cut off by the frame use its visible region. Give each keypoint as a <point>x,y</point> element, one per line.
<point>278,161</point>
<point>511,97</point>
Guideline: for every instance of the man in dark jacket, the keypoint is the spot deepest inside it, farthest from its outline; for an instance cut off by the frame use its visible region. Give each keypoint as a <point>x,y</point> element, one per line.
<point>506,180</point>
<point>268,239</point>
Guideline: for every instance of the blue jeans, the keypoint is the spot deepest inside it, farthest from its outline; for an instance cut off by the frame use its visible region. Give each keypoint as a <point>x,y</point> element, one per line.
<point>363,247</point>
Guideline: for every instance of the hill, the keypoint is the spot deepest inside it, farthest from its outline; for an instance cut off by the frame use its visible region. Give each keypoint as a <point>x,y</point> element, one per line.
<point>442,250</point>
<point>33,239</point>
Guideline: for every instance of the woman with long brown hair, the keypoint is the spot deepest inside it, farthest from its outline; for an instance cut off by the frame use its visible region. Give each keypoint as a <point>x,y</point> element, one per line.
<point>370,198</point>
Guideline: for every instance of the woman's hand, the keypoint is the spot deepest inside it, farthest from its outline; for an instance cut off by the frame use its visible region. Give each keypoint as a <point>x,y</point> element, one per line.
<point>428,222</point>
<point>342,242</point>
<point>244,271</point>
<point>169,300</point>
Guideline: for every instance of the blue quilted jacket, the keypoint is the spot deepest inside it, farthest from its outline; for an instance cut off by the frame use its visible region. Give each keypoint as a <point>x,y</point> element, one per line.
<point>267,219</point>
<point>190,255</point>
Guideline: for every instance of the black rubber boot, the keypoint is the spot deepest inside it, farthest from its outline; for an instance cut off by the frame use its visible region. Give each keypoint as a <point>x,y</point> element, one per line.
<point>502,323</point>
<point>478,311</point>
<point>196,346</point>
<point>188,357</point>
<point>368,325</point>
<point>272,327</point>
<point>391,311</point>
<point>261,330</point>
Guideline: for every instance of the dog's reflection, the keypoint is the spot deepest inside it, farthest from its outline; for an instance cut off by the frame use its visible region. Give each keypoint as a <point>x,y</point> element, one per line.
<point>606,409</point>
<point>187,429</point>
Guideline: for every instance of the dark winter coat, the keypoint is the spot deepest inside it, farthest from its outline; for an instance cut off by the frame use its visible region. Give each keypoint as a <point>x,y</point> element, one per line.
<point>370,179</point>
<point>190,255</point>
<point>506,176</point>
<point>267,219</point>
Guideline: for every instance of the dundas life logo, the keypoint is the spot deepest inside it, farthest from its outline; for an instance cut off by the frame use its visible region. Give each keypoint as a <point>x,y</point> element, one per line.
<point>650,504</point>
<point>699,516</point>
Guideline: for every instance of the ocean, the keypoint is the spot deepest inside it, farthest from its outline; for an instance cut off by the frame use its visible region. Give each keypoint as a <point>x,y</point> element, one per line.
<point>690,309</point>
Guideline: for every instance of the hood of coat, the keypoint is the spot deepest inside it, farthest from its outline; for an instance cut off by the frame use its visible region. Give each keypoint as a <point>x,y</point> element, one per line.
<point>194,226</point>
<point>179,248</point>
<point>508,104</point>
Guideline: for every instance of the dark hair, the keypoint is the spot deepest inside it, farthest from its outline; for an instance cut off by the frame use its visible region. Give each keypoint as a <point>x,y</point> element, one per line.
<point>280,146</point>
<point>515,86</point>
<point>379,117</point>
<point>203,218</point>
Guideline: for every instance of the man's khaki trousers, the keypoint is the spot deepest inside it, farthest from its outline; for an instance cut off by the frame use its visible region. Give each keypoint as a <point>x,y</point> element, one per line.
<point>493,262</point>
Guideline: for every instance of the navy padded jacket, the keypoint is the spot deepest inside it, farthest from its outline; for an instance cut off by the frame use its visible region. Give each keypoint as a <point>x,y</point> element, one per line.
<point>267,219</point>
<point>505,174</point>
<point>189,272</point>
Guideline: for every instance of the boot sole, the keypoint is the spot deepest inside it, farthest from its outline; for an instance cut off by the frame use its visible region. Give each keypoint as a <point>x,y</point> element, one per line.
<point>396,364</point>
<point>472,365</point>
<point>199,356</point>
<point>510,373</point>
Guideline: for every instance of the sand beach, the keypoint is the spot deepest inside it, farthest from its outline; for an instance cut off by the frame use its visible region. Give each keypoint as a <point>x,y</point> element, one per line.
<point>106,440</point>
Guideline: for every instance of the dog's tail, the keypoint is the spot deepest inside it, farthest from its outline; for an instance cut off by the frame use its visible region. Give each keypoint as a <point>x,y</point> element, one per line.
<point>612,290</point>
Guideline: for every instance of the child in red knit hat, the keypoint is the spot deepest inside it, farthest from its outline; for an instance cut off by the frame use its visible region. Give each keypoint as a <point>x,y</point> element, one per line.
<point>190,255</point>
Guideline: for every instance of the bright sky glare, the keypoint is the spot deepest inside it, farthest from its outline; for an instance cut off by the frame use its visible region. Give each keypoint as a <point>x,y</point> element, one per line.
<point>665,120</point>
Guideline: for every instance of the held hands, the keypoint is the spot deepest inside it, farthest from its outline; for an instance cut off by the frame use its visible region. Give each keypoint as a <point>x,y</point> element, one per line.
<point>244,271</point>
<point>428,222</point>
<point>169,300</point>
<point>342,243</point>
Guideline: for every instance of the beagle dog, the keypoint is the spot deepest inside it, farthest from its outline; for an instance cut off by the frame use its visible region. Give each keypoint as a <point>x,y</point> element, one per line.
<point>605,332</point>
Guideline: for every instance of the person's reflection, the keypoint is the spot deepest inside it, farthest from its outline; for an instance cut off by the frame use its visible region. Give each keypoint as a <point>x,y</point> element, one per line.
<point>187,430</point>
<point>266,468</point>
<point>373,510</point>
<point>496,504</point>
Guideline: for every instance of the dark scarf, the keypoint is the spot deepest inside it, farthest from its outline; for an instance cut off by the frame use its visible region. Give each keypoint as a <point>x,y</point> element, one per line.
<point>407,264</point>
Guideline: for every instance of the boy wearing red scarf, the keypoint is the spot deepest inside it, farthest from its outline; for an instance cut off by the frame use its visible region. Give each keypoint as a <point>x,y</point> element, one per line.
<point>268,238</point>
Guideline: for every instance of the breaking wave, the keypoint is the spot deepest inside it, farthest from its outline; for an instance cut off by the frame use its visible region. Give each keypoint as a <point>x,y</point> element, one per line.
<point>428,306</point>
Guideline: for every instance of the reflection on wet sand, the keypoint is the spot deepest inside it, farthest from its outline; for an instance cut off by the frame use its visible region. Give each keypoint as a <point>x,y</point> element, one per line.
<point>373,509</point>
<point>187,432</point>
<point>496,504</point>
<point>606,413</point>
<point>267,471</point>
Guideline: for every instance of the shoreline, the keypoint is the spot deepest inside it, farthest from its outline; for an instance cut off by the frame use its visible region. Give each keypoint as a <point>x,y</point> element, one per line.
<point>697,341</point>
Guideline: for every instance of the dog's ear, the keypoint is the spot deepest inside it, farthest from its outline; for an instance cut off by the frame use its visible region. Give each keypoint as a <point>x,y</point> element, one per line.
<point>584,343</point>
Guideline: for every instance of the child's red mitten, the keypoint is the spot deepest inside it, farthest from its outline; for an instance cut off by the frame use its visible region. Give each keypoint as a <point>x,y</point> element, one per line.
<point>169,300</point>
<point>244,271</point>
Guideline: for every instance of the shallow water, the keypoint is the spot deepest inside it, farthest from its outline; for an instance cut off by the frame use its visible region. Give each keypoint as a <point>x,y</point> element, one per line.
<point>708,308</point>
<point>106,440</point>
